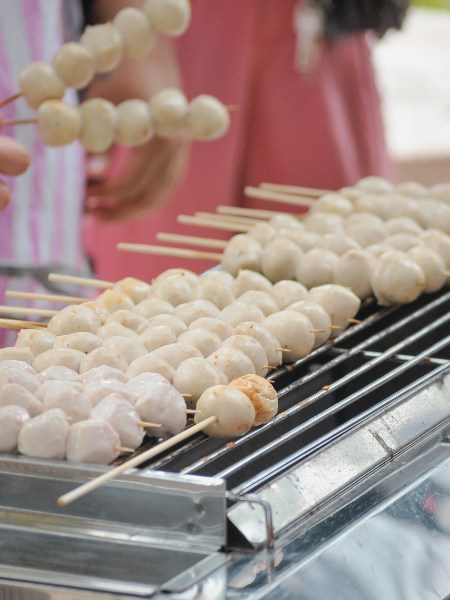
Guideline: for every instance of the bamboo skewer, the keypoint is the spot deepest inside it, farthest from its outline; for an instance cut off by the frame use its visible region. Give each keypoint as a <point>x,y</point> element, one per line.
<point>18,122</point>
<point>283,198</point>
<point>228,218</point>
<point>17,324</point>
<point>133,462</point>
<point>295,189</point>
<point>10,99</point>
<point>168,251</point>
<point>200,222</point>
<point>48,297</point>
<point>81,281</point>
<point>20,310</point>
<point>257,213</point>
<point>191,240</point>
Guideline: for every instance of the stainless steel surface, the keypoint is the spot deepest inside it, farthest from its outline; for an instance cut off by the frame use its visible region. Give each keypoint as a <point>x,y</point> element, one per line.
<point>362,431</point>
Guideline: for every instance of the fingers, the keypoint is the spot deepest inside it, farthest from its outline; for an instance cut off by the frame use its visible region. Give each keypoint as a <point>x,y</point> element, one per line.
<point>14,158</point>
<point>5,195</point>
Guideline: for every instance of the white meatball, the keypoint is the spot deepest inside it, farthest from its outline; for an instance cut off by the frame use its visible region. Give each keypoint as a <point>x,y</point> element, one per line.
<point>137,34</point>
<point>412,188</point>
<point>279,259</point>
<point>374,185</point>
<point>194,376</point>
<point>151,363</point>
<point>261,394</point>
<point>97,390</point>
<point>17,364</point>
<point>402,225</point>
<point>293,331</point>
<point>170,17</point>
<point>434,214</point>
<point>362,217</point>
<point>175,289</point>
<point>114,328</point>
<point>134,125</point>
<point>251,348</point>
<point>308,240</point>
<point>105,43</point>
<point>234,363</point>
<point>401,241</point>
<point>213,291</point>
<point>353,270</point>
<point>81,340</point>
<point>437,241</point>
<point>126,347</point>
<point>127,318</point>
<point>103,356</point>
<point>205,341</point>
<point>98,124</point>
<point>75,405</point>
<point>136,289</point>
<point>102,373</point>
<point>365,233</point>
<point>101,311</point>
<point>74,64</point>
<point>13,393</point>
<point>262,335</point>
<point>16,374</point>
<point>239,311</point>
<point>58,373</point>
<point>339,302</point>
<point>207,118</point>
<point>175,353</point>
<point>441,191</point>
<point>177,325</point>
<point>281,220</point>
<point>332,202</point>
<point>39,82</point>
<point>263,233</point>
<point>247,280</point>
<point>377,250</point>
<point>58,123</point>
<point>234,411</point>
<point>20,354</point>
<point>157,336</point>
<point>287,292</point>
<point>262,300</point>
<point>217,275</point>
<point>122,417</point>
<point>242,252</point>
<point>316,268</point>
<point>44,436</point>
<point>324,222</point>
<point>398,205</point>
<point>196,309</point>
<point>397,279</point>
<point>92,441</point>
<point>319,318</point>
<point>169,108</point>
<point>113,300</point>
<point>63,357</point>
<point>377,204</point>
<point>337,243</point>
<point>72,319</point>
<point>294,234</point>
<point>190,276</point>
<point>150,307</point>
<point>11,420</point>
<point>432,266</point>
<point>36,340</point>
<point>216,326</point>
<point>161,403</point>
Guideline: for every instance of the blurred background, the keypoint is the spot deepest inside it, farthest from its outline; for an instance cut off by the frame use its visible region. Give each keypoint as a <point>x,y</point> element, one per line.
<point>413,70</point>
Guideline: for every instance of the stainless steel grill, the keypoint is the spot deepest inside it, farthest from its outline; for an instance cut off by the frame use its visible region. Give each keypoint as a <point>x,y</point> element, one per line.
<point>360,441</point>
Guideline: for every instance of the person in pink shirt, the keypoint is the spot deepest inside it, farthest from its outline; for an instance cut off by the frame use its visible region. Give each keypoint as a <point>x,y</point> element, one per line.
<point>318,126</point>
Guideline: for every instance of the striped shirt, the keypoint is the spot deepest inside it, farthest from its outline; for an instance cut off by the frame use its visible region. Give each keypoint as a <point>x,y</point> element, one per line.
<point>42,225</point>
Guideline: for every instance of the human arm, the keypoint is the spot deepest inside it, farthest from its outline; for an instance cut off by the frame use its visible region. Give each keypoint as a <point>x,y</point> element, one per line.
<point>14,160</point>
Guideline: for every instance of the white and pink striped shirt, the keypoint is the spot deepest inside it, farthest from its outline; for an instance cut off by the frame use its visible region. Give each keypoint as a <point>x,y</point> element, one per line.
<point>42,225</point>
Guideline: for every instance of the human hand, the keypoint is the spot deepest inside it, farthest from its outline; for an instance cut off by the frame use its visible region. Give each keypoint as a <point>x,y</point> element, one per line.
<point>14,160</point>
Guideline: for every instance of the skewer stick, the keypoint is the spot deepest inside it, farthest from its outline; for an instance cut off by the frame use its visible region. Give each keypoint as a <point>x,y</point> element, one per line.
<point>25,310</point>
<point>133,462</point>
<point>48,297</point>
<point>191,240</point>
<point>295,189</point>
<point>17,324</point>
<point>124,450</point>
<point>252,212</point>
<point>260,194</point>
<point>168,251</point>
<point>19,122</point>
<point>232,107</point>
<point>337,327</point>
<point>354,321</point>
<point>228,218</point>
<point>147,424</point>
<point>10,99</point>
<point>199,222</point>
<point>82,281</point>
<point>192,411</point>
